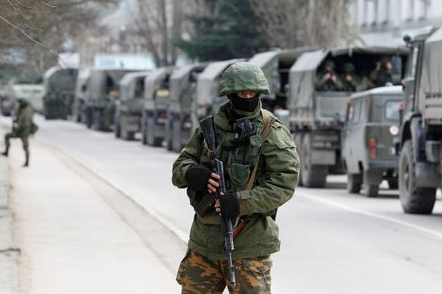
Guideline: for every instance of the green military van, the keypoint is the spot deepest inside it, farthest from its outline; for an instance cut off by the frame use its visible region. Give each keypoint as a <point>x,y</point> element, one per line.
<point>368,138</point>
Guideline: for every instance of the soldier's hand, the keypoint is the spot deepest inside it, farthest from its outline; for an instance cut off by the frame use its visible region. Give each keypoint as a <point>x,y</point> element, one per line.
<point>197,177</point>
<point>228,205</point>
<point>327,76</point>
<point>333,78</point>
<point>213,183</point>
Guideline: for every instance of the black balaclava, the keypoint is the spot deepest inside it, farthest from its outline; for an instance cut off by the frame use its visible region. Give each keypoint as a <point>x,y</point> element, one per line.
<point>243,104</point>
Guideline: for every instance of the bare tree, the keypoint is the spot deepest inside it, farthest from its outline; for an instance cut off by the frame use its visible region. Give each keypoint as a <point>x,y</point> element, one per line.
<point>295,23</point>
<point>40,27</point>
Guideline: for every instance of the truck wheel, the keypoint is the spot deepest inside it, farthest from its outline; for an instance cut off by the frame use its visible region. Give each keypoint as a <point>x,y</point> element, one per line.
<point>157,142</point>
<point>313,176</point>
<point>117,129</point>
<point>413,199</point>
<point>392,183</point>
<point>371,190</point>
<point>354,183</point>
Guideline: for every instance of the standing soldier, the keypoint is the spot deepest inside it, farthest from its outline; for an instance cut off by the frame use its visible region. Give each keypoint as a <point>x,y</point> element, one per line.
<point>349,80</point>
<point>382,74</point>
<point>261,172</point>
<point>21,128</point>
<point>328,80</point>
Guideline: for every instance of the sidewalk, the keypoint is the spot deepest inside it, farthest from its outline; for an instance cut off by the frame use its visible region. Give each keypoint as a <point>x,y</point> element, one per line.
<point>79,235</point>
<point>8,254</point>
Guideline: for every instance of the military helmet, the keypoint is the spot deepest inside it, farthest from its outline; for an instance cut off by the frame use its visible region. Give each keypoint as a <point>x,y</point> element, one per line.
<point>243,76</point>
<point>329,63</point>
<point>349,67</point>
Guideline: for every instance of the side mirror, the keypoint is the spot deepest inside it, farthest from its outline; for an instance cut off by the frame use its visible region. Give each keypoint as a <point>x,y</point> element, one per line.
<point>396,60</point>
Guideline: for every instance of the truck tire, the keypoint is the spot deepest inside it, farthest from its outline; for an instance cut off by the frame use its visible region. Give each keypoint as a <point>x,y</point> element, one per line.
<point>413,198</point>
<point>392,183</point>
<point>313,176</point>
<point>117,129</point>
<point>354,183</point>
<point>371,190</point>
<point>176,134</point>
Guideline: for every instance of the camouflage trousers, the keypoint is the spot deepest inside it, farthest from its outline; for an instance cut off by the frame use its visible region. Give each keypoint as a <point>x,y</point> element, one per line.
<point>200,275</point>
<point>24,138</point>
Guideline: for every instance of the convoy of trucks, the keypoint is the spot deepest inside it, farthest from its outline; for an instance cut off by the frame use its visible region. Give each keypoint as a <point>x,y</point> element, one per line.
<point>371,132</point>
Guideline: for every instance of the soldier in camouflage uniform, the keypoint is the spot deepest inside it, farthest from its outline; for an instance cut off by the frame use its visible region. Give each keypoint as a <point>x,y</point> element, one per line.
<point>327,79</point>
<point>21,129</point>
<point>252,205</point>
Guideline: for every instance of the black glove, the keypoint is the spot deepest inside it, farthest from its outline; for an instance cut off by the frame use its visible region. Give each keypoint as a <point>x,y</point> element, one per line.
<point>197,177</point>
<point>229,203</point>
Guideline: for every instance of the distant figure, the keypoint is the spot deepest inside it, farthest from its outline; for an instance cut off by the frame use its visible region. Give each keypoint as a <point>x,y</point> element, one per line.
<point>350,81</point>
<point>382,74</point>
<point>22,128</point>
<point>328,80</point>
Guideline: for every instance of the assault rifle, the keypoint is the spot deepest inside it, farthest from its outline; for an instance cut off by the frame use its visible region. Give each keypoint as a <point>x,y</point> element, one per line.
<point>207,126</point>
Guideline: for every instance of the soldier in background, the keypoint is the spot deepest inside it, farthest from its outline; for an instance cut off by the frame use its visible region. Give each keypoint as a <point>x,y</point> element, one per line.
<point>22,128</point>
<point>251,201</point>
<point>350,81</point>
<point>382,74</point>
<point>328,80</point>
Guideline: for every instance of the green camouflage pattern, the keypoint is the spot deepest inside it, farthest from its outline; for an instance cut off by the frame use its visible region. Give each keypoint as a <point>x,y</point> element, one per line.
<point>243,76</point>
<point>21,128</point>
<point>277,177</point>
<point>200,275</point>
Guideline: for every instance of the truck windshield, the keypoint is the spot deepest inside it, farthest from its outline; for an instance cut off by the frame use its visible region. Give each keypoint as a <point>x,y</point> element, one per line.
<point>392,110</point>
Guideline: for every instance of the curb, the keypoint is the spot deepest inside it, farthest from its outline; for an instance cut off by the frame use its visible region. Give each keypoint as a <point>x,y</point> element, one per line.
<point>8,254</point>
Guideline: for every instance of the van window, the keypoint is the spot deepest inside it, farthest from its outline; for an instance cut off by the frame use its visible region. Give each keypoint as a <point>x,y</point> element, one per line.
<point>392,109</point>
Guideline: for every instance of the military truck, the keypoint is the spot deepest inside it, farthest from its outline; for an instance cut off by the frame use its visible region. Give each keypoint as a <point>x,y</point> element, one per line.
<point>129,106</point>
<point>80,94</point>
<point>182,96</point>
<point>59,94</point>
<point>208,100</point>
<point>156,103</point>
<point>102,92</point>
<point>370,133</point>
<point>317,116</point>
<point>421,129</point>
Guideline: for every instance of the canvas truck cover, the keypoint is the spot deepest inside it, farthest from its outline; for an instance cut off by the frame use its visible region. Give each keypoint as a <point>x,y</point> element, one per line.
<point>430,90</point>
<point>128,84</point>
<point>57,78</point>
<point>150,83</point>
<point>98,81</point>
<point>208,81</point>
<point>303,72</point>
<point>302,79</point>
<point>180,80</point>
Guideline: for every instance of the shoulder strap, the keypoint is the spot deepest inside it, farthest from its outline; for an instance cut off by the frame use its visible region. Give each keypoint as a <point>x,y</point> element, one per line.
<point>268,121</point>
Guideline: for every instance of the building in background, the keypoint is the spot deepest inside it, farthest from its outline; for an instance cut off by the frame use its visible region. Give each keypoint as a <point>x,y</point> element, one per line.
<point>385,22</point>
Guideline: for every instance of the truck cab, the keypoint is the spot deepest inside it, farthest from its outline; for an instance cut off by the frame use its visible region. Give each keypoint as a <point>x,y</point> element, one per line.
<point>370,132</point>
<point>421,127</point>
<point>59,84</point>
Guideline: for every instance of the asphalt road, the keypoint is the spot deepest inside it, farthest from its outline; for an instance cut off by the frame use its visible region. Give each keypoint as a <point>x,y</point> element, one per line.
<point>332,241</point>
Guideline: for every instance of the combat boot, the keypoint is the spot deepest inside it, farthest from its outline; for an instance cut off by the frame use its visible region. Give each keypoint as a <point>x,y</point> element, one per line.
<point>26,164</point>
<point>5,153</point>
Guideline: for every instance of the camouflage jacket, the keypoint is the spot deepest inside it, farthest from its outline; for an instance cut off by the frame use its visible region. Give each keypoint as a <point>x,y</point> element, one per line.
<point>24,121</point>
<point>277,177</point>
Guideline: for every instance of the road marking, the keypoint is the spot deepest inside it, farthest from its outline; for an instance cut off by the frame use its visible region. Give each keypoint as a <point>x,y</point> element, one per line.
<point>373,215</point>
